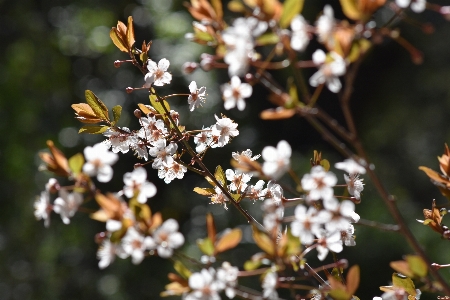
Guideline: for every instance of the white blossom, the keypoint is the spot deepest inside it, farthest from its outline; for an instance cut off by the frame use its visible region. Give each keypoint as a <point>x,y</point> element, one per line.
<point>347,236</point>
<point>350,166</point>
<point>219,197</point>
<point>43,208</point>
<point>273,214</point>
<point>300,37</point>
<point>197,96</point>
<point>307,222</point>
<point>329,70</point>
<point>165,239</point>
<point>66,205</point>
<point>162,153</point>
<point>136,183</point>
<point>223,130</point>
<point>234,93</point>
<point>152,129</point>
<point>246,153</point>
<point>417,6</point>
<point>343,213</point>
<point>328,242</point>
<point>134,245</point>
<point>238,180</point>
<point>172,171</point>
<point>99,161</point>
<point>227,279</point>
<point>107,253</point>
<point>118,140</point>
<point>269,285</point>
<point>203,140</point>
<point>157,74</point>
<point>325,24</point>
<point>276,160</point>
<point>319,183</point>
<point>203,286</point>
<point>355,185</point>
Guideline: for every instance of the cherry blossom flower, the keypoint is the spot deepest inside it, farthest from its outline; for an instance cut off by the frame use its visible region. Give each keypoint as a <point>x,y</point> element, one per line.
<point>417,6</point>
<point>134,244</point>
<point>343,213</point>
<point>165,239</point>
<point>172,171</point>
<point>162,153</point>
<point>238,180</point>
<point>319,183</point>
<point>328,242</point>
<point>66,205</point>
<point>152,129</point>
<point>227,279</point>
<point>118,140</point>
<point>239,40</point>
<point>203,140</point>
<point>256,192</point>
<point>43,208</point>
<point>136,184</point>
<point>307,222</point>
<point>203,285</point>
<point>269,285</point>
<point>355,185</point>
<point>219,197</point>
<point>223,130</point>
<point>325,24</point>
<point>197,96</point>
<point>107,253</point>
<point>350,166</point>
<point>273,214</point>
<point>235,92</point>
<point>300,37</point>
<point>99,161</point>
<point>276,160</point>
<point>157,74</point>
<point>246,153</point>
<point>274,191</point>
<point>329,70</point>
<point>347,236</point>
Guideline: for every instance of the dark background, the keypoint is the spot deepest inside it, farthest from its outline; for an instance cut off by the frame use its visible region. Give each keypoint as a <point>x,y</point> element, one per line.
<point>51,51</point>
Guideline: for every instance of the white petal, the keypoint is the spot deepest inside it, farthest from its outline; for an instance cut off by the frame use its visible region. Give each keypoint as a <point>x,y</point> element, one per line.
<point>163,64</point>
<point>246,90</point>
<point>193,87</point>
<point>319,57</point>
<point>235,81</point>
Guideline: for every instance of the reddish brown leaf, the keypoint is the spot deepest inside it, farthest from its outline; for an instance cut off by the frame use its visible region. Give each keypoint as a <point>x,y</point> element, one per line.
<point>229,240</point>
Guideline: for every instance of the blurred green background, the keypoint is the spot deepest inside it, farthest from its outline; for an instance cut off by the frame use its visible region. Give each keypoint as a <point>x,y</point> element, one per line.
<point>51,51</point>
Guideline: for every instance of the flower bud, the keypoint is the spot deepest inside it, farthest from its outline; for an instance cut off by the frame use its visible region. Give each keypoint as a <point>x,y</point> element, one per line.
<point>137,113</point>
<point>99,237</point>
<point>129,90</point>
<point>189,67</point>
<point>206,62</point>
<point>117,63</point>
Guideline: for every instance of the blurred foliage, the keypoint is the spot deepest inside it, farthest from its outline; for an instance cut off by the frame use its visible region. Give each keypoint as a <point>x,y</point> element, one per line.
<point>51,52</point>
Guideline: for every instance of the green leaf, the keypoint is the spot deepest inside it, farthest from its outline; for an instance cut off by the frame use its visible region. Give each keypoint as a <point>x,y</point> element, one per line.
<point>204,191</point>
<point>76,163</point>
<point>117,112</point>
<point>291,8</point>
<point>181,269</point>
<point>229,240</point>
<point>339,295</point>
<point>158,106</point>
<point>267,39</point>
<point>93,129</point>
<point>325,164</point>
<point>250,265</point>
<point>404,282</point>
<point>219,174</point>
<point>97,105</point>
<point>206,246</point>
<point>416,264</point>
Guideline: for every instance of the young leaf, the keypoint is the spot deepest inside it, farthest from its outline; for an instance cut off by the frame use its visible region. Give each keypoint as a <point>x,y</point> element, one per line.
<point>130,33</point>
<point>158,106</point>
<point>417,265</point>
<point>117,40</point>
<point>93,129</point>
<point>353,279</point>
<point>76,163</point>
<point>147,109</point>
<point>263,241</point>
<point>84,113</point>
<point>181,269</point>
<point>217,5</point>
<point>206,246</point>
<point>267,39</point>
<point>211,227</point>
<point>399,280</point>
<point>291,8</point>
<point>117,112</point>
<point>204,191</point>
<point>219,174</point>
<point>229,240</point>
<point>350,9</point>
<point>97,105</point>
<point>402,267</point>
